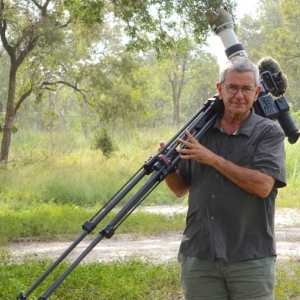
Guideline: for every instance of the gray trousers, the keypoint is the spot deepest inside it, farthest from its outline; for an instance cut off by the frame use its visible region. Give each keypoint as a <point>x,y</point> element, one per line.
<point>218,280</point>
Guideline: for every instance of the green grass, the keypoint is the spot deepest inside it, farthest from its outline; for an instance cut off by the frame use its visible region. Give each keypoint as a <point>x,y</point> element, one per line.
<point>125,279</point>
<point>287,280</point>
<point>129,279</point>
<point>61,168</point>
<point>57,222</point>
<point>48,172</point>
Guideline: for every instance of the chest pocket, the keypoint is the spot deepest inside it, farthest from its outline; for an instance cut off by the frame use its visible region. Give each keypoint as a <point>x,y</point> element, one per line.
<point>242,156</point>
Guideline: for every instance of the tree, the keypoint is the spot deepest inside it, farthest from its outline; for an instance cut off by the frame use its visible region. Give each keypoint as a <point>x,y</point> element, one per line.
<point>172,28</point>
<point>201,82</point>
<point>22,25</point>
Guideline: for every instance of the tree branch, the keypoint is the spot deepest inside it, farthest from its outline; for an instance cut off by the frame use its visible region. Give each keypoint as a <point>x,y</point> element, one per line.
<point>21,99</point>
<point>45,83</point>
<point>3,27</point>
<point>37,5</point>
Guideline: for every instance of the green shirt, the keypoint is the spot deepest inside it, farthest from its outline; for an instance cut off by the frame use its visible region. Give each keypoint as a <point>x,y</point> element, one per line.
<point>223,220</point>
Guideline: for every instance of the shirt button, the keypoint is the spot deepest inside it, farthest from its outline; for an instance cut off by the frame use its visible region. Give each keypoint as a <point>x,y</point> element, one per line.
<point>212,218</point>
<point>217,175</point>
<point>213,196</point>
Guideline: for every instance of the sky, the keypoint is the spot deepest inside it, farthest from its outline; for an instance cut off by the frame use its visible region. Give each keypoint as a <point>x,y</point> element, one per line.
<point>216,46</point>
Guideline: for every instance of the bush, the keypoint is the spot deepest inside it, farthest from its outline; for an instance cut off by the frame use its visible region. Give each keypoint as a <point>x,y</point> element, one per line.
<point>103,141</point>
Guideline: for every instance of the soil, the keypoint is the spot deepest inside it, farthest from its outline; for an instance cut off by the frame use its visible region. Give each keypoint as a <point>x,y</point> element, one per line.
<point>159,248</point>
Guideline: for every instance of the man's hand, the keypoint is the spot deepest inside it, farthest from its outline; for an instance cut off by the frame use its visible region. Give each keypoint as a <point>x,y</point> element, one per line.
<point>194,150</point>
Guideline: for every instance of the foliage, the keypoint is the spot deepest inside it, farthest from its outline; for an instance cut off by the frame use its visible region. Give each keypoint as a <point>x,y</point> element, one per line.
<point>272,33</point>
<point>152,24</point>
<point>24,27</point>
<point>55,45</point>
<point>102,141</point>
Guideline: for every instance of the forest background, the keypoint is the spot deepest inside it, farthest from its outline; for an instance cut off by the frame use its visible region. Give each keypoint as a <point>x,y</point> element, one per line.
<point>89,88</point>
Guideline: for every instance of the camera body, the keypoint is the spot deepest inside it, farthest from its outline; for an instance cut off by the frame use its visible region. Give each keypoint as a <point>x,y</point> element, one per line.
<point>277,109</point>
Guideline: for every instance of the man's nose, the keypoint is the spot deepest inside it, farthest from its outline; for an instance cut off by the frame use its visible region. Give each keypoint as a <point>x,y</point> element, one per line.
<point>239,93</point>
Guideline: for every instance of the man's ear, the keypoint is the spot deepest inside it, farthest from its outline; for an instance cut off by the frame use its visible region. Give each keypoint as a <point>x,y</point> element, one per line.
<point>257,91</point>
<point>219,88</point>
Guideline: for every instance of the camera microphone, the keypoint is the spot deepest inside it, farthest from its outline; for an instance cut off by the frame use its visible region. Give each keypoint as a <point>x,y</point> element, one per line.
<point>270,71</point>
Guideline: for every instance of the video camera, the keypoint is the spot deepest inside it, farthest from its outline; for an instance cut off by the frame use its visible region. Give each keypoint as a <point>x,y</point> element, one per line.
<point>272,79</point>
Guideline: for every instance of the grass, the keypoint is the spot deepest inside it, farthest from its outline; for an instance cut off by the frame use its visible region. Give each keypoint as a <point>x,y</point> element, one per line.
<point>76,175</point>
<point>287,280</point>
<point>61,222</point>
<point>129,279</point>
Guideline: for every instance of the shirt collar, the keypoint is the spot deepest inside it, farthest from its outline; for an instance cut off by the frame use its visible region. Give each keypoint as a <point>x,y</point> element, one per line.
<point>246,127</point>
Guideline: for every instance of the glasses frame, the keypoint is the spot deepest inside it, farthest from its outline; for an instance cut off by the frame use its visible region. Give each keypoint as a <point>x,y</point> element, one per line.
<point>229,85</point>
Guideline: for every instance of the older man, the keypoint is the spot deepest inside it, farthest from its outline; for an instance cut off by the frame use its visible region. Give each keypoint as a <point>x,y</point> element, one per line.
<point>232,175</point>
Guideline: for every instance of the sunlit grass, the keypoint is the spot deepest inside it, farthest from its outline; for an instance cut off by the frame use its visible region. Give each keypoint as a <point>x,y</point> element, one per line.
<point>57,222</point>
<point>61,168</point>
<point>127,279</point>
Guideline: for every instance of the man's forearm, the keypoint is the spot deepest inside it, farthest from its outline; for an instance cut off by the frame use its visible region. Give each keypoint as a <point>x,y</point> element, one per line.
<point>253,181</point>
<point>177,184</point>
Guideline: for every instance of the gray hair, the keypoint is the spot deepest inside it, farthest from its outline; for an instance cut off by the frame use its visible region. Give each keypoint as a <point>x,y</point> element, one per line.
<point>239,64</point>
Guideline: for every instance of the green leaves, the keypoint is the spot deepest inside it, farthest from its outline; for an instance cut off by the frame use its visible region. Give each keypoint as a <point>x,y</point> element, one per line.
<point>150,24</point>
<point>88,11</point>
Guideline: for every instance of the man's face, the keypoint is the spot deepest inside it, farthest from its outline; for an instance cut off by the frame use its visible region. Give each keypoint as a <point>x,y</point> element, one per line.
<point>238,92</point>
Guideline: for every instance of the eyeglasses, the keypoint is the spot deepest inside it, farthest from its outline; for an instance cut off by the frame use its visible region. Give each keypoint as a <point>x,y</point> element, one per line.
<point>233,89</point>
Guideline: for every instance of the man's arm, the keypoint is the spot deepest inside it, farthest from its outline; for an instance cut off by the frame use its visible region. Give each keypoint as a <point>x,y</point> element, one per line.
<point>252,181</point>
<point>177,184</point>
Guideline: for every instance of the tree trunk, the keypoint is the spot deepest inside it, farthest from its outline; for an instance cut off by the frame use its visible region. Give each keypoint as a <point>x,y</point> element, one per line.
<point>176,84</point>
<point>176,111</point>
<point>9,117</point>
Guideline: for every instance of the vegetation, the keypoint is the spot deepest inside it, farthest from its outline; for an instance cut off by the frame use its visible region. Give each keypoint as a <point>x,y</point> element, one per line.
<point>38,36</point>
<point>87,90</point>
<point>48,192</point>
<point>128,279</point>
<point>132,279</point>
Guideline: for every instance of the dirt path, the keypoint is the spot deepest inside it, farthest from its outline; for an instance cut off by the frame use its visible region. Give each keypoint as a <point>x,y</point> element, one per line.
<point>159,248</point>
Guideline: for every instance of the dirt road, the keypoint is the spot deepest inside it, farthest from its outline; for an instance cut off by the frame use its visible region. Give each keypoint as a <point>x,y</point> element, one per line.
<point>159,248</point>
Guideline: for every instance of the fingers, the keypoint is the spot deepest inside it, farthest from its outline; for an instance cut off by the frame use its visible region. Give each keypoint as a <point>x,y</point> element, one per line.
<point>189,143</point>
<point>189,135</point>
<point>192,141</point>
<point>161,145</point>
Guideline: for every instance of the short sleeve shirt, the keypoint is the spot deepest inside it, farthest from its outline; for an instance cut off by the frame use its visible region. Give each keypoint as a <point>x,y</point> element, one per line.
<point>223,220</point>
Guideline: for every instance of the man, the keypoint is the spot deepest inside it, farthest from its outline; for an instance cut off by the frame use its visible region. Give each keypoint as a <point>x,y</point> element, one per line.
<point>232,175</point>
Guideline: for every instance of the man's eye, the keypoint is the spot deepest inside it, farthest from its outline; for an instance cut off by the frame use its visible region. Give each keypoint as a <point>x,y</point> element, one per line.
<point>233,87</point>
<point>247,89</point>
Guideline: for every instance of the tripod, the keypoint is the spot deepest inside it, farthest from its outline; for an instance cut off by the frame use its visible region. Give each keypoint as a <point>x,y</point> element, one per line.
<point>160,165</point>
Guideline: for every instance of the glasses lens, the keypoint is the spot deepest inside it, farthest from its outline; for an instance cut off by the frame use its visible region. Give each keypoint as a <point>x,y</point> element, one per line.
<point>247,91</point>
<point>233,89</point>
